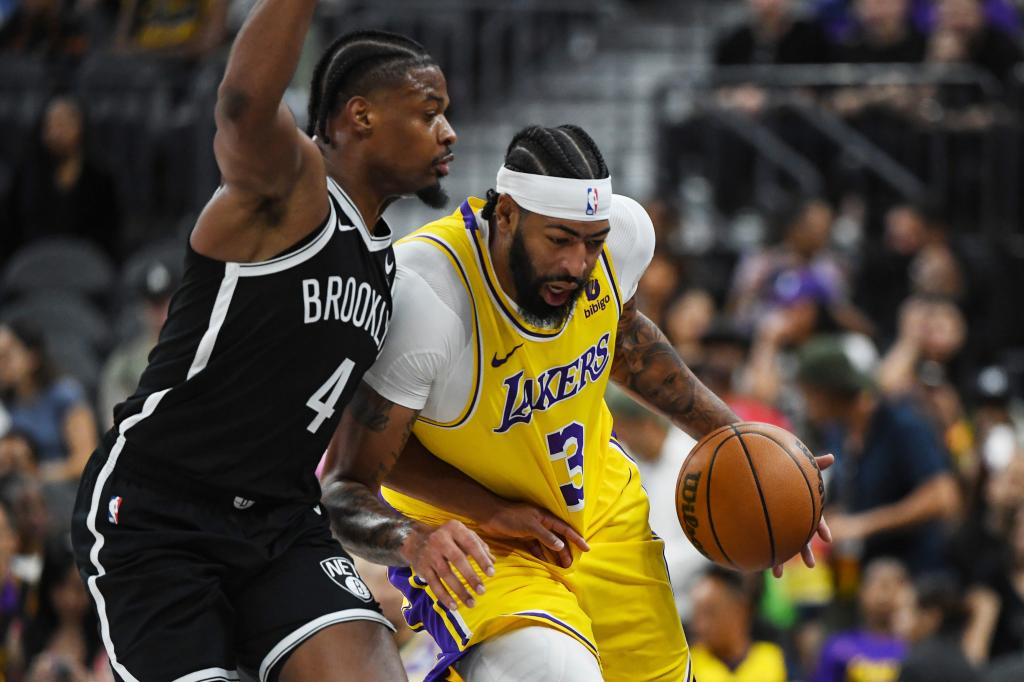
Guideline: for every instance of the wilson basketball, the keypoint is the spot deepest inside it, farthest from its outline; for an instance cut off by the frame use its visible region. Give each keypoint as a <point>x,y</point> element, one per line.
<point>749,496</point>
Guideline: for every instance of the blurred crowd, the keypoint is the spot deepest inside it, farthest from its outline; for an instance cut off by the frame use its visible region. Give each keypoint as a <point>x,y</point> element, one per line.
<point>875,326</point>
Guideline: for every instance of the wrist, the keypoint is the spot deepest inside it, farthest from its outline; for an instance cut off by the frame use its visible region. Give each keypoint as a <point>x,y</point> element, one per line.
<point>413,535</point>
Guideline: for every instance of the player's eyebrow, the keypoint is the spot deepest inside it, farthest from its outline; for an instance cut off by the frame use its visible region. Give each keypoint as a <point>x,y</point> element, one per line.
<point>574,233</point>
<point>435,98</point>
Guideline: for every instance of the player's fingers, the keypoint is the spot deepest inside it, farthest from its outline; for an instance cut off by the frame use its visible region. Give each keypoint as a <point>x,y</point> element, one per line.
<point>440,591</point>
<point>566,531</point>
<point>470,543</point>
<point>777,571</point>
<point>824,532</point>
<point>455,586</point>
<point>545,536</point>
<point>535,548</point>
<point>807,554</point>
<point>564,557</point>
<point>825,461</point>
<point>469,574</point>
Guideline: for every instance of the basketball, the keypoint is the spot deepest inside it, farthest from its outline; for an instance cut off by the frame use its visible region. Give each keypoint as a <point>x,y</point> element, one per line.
<point>749,496</point>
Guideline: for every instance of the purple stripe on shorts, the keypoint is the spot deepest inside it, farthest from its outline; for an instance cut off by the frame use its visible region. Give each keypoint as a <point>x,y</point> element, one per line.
<point>548,616</point>
<point>421,613</point>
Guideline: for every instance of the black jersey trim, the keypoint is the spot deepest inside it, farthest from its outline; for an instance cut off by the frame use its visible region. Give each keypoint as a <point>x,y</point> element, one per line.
<point>297,257</point>
<point>373,242</point>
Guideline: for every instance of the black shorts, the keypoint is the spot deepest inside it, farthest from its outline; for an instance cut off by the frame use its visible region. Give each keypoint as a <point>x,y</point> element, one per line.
<point>190,589</point>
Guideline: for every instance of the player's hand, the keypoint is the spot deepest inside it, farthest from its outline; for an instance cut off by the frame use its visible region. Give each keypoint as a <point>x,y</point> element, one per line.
<point>824,462</point>
<point>433,553</point>
<point>539,529</point>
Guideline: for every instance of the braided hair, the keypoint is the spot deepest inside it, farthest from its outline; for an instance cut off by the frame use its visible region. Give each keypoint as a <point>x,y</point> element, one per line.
<point>354,64</point>
<point>563,152</point>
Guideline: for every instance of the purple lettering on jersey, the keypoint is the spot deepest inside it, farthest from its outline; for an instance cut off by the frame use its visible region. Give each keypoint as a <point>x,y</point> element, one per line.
<point>524,395</point>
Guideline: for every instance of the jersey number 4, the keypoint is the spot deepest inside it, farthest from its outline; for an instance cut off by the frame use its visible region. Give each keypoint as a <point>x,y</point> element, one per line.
<point>566,445</point>
<point>326,397</point>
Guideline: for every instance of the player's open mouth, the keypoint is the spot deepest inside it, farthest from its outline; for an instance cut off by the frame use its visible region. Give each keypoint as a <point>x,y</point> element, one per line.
<point>557,293</point>
<point>441,165</point>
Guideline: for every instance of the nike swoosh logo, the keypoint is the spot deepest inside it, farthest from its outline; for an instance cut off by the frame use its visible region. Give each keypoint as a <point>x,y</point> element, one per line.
<point>389,265</point>
<point>495,362</point>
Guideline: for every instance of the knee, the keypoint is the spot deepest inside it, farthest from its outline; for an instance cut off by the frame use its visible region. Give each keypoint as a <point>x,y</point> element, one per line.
<point>530,653</point>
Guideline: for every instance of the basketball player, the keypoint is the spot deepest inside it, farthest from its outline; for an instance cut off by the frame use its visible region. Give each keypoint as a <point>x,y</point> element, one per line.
<point>197,525</point>
<point>511,316</point>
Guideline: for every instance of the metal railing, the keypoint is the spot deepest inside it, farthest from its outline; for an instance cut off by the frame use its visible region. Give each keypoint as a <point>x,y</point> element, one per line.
<point>917,153</point>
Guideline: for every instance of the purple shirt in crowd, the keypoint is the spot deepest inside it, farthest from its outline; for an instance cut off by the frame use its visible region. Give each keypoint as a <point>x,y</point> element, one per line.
<point>860,657</point>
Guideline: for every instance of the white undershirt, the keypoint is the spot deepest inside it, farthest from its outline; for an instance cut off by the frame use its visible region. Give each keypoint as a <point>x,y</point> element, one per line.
<point>427,361</point>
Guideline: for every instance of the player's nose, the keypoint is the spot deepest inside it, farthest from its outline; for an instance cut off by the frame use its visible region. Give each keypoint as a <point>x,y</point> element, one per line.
<point>447,135</point>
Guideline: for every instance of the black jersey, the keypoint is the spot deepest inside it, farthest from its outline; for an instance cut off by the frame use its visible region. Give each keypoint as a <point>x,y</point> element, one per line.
<point>257,361</point>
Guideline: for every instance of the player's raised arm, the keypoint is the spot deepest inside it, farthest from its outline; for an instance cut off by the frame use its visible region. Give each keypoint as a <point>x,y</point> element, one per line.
<point>258,147</point>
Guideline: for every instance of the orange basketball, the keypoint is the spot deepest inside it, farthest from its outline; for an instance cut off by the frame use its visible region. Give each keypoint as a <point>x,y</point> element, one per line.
<point>749,496</point>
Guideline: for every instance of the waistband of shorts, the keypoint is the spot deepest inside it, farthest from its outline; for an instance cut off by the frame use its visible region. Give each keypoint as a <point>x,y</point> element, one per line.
<point>136,468</point>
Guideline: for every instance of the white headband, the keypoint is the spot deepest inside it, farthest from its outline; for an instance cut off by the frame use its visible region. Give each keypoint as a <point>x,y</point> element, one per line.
<point>566,198</point>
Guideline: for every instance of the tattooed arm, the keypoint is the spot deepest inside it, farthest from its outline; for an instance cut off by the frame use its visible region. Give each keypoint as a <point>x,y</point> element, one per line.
<point>370,437</point>
<point>648,366</point>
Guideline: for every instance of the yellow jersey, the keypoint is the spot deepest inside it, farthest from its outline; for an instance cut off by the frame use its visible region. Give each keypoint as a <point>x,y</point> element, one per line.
<point>535,427</point>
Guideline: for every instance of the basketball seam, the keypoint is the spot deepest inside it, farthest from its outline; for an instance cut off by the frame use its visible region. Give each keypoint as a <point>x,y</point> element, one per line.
<point>760,493</point>
<point>707,502</point>
<point>814,514</point>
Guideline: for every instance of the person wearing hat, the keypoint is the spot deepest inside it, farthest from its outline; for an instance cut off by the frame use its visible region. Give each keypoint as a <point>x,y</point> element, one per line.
<point>126,363</point>
<point>893,486</point>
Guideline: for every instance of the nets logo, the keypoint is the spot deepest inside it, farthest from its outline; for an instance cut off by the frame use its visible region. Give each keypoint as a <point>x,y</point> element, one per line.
<point>343,573</point>
<point>592,201</point>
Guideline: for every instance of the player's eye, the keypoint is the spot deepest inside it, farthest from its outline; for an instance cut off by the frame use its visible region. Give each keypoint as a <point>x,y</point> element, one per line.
<point>559,241</point>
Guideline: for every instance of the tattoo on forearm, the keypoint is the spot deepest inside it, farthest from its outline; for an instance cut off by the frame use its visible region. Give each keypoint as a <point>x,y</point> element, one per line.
<point>647,364</point>
<point>370,409</point>
<point>363,525</point>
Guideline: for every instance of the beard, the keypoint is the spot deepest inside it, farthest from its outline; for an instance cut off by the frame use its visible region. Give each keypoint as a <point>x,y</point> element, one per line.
<point>528,283</point>
<point>433,196</point>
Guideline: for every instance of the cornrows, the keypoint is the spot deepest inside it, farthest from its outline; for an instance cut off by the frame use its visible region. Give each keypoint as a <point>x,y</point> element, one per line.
<point>354,64</point>
<point>563,152</point>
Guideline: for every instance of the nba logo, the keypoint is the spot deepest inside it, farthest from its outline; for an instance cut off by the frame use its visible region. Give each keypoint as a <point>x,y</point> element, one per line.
<point>593,290</point>
<point>592,200</point>
<point>113,509</point>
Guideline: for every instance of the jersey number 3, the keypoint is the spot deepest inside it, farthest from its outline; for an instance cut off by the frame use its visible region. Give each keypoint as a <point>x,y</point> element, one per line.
<point>326,397</point>
<point>566,445</point>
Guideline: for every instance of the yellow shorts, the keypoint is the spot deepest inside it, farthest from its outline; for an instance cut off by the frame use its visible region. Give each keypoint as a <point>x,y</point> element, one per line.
<point>616,599</point>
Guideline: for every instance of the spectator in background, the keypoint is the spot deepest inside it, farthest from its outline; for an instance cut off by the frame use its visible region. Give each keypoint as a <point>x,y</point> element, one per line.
<point>659,449</point>
<point>775,34</point>
<point>884,34</point>
<point>17,455</point>
<point>998,592</point>
<point>799,268</point>
<point>658,285</point>
<point>182,29</point>
<point>931,617</point>
<point>61,189</point>
<point>723,369</point>
<point>965,35</point>
<point>23,496</point>
<point>124,367</point>
<point>11,592</point>
<point>686,321</point>
<point>63,634</point>
<point>49,28</point>
<point>871,651</point>
<point>893,486</point>
<point>723,649</point>
<point>53,412</point>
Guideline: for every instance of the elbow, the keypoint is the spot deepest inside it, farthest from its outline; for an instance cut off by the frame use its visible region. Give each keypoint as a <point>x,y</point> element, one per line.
<point>233,103</point>
<point>946,497</point>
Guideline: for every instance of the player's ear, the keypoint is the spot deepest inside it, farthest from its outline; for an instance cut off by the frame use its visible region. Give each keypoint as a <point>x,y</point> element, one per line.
<point>358,115</point>
<point>507,213</point>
